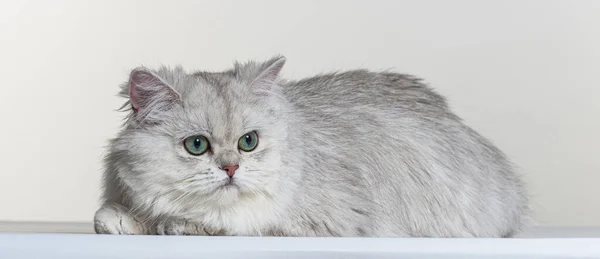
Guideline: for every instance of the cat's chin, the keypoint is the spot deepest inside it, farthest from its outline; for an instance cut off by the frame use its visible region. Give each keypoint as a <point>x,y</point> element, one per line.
<point>227,192</point>
<point>229,185</point>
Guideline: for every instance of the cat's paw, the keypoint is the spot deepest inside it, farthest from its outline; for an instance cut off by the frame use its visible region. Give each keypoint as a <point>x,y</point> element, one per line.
<point>115,219</point>
<point>178,227</point>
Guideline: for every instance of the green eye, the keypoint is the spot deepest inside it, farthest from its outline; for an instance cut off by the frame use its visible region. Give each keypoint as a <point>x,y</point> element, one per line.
<point>248,142</point>
<point>196,145</point>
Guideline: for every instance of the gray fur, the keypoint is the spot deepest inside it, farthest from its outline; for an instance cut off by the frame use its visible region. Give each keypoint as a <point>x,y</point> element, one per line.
<point>353,153</point>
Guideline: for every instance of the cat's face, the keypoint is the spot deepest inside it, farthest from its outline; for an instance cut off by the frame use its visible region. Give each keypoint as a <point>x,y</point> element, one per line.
<point>209,139</point>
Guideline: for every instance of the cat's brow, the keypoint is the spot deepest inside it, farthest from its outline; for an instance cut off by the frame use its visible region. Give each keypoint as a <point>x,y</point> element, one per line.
<point>187,133</point>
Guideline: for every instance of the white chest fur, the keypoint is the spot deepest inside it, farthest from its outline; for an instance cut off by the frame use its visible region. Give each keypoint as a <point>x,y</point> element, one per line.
<point>248,216</point>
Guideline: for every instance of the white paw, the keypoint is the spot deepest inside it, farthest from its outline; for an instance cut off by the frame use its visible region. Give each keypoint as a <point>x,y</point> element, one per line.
<point>116,219</point>
<point>173,226</point>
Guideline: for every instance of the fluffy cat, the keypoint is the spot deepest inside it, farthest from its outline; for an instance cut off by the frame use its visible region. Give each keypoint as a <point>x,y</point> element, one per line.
<point>356,153</point>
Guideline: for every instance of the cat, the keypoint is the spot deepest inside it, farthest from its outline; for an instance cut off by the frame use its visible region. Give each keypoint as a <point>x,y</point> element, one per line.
<point>356,153</point>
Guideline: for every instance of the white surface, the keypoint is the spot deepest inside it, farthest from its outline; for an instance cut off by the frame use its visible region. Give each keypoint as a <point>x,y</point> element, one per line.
<point>541,242</point>
<point>524,73</point>
<point>64,246</point>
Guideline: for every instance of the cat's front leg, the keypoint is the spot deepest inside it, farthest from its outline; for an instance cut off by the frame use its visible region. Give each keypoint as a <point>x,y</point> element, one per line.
<point>113,218</point>
<point>181,226</point>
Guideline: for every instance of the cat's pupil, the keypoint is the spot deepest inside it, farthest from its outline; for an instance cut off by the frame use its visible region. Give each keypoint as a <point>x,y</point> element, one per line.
<point>248,140</point>
<point>197,143</point>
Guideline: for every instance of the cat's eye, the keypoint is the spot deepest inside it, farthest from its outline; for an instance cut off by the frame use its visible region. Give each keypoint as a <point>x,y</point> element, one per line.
<point>248,142</point>
<point>196,145</point>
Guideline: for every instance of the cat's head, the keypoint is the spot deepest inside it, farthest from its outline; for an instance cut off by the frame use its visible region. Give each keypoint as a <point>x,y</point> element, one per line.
<point>204,137</point>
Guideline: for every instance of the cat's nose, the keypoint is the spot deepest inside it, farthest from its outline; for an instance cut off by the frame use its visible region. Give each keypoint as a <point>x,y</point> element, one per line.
<point>230,169</point>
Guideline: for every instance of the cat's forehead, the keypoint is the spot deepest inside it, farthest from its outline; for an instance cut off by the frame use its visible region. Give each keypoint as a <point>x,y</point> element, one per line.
<point>217,102</point>
<point>216,79</point>
<point>213,85</point>
<point>215,91</point>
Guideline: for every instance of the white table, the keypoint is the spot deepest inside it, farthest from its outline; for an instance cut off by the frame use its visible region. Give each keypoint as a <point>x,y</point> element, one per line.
<point>535,243</point>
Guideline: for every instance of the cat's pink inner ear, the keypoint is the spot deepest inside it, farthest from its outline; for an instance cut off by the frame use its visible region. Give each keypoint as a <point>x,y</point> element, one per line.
<point>138,80</point>
<point>133,92</point>
<point>273,70</point>
<point>268,76</point>
<point>145,88</point>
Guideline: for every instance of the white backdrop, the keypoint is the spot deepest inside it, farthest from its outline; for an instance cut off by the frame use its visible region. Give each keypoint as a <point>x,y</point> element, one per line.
<point>523,73</point>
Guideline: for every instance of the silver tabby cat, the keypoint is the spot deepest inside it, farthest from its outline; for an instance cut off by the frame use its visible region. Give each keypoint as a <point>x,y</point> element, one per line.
<point>356,153</point>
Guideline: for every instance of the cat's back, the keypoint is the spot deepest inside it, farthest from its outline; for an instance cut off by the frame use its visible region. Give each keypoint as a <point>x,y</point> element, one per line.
<point>366,89</point>
<point>389,128</point>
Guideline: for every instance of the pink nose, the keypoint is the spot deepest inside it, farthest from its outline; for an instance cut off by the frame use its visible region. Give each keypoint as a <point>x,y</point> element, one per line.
<point>230,169</point>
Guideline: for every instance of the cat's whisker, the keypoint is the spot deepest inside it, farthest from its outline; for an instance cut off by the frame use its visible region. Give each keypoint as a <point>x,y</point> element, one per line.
<point>181,197</point>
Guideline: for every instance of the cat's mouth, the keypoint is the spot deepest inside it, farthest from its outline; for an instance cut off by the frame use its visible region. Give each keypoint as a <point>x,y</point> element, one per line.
<point>230,184</point>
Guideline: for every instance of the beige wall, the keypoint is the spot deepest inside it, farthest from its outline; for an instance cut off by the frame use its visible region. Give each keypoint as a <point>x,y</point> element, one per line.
<point>523,73</point>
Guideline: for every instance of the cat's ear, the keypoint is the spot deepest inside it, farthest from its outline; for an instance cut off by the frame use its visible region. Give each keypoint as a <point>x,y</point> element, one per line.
<point>148,91</point>
<point>268,73</point>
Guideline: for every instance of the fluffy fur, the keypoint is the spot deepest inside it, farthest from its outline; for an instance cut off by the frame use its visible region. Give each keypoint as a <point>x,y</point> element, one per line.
<point>353,153</point>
